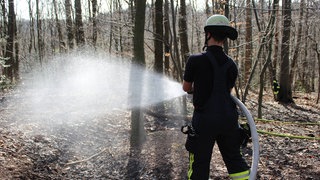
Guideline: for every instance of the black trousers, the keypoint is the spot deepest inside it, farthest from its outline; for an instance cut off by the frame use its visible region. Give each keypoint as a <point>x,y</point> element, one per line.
<point>228,142</point>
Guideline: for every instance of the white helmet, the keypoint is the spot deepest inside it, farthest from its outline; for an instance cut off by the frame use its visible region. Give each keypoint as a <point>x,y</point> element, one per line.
<point>221,23</point>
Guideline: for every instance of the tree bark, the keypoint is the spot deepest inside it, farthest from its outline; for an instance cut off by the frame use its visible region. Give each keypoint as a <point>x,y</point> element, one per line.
<point>270,31</point>
<point>248,48</point>
<point>60,36</point>
<point>167,34</point>
<point>176,57</point>
<point>9,63</point>
<point>138,31</point>
<point>69,24</point>
<point>94,23</point>
<point>285,93</point>
<point>158,37</point>
<point>39,32</point>
<point>137,135</point>
<point>297,44</point>
<point>183,33</point>
<point>80,38</point>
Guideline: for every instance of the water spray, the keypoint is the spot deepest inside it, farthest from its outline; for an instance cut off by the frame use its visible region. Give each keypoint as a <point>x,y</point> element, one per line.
<point>254,136</point>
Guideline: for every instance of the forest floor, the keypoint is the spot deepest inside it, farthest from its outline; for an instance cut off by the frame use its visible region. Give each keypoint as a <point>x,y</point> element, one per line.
<point>83,145</point>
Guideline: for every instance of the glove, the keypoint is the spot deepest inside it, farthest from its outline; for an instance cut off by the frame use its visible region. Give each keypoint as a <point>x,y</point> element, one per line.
<point>191,144</point>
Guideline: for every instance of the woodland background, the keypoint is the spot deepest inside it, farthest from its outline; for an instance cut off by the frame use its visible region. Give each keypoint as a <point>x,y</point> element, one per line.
<point>276,41</point>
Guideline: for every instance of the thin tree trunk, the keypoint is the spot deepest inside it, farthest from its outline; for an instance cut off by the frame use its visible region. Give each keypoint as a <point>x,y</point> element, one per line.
<point>111,27</point>
<point>298,42</point>
<point>80,39</point>
<point>5,24</point>
<point>183,33</point>
<point>120,27</point>
<point>94,23</point>
<point>226,13</point>
<point>167,42</point>
<point>268,59</point>
<point>158,37</point>
<point>248,51</point>
<point>9,63</point>
<point>69,24</point>
<point>60,36</point>
<point>32,43</point>
<point>262,44</point>
<point>39,32</point>
<point>176,56</point>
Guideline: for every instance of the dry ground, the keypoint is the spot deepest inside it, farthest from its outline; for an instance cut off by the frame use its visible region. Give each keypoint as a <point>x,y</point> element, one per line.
<point>93,146</point>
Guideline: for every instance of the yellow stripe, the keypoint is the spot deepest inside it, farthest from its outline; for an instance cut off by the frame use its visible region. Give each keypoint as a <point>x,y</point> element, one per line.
<point>191,160</point>
<point>241,175</point>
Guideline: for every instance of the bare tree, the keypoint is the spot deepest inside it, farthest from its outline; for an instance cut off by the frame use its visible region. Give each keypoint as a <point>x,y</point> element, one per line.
<point>39,33</point>
<point>69,24</point>
<point>297,44</point>
<point>32,42</point>
<point>158,36</point>
<point>138,31</point>
<point>285,93</point>
<point>167,42</point>
<point>269,36</point>
<point>58,25</point>
<point>183,33</point>
<point>94,23</point>
<point>11,64</point>
<point>176,55</point>
<point>80,37</point>
<point>137,134</point>
<point>248,48</point>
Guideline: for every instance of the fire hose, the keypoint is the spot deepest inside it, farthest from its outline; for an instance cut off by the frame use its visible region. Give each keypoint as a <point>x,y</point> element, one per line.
<point>254,137</point>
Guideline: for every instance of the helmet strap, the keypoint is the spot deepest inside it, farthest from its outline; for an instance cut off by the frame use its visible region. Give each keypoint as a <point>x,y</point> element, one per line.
<point>207,37</point>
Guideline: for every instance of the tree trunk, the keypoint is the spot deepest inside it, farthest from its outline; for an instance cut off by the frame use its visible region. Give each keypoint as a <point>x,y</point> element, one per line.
<point>60,36</point>
<point>226,13</point>
<point>39,32</point>
<point>69,24</point>
<point>176,57</point>
<point>32,42</point>
<point>276,45</point>
<point>248,51</point>
<point>9,63</point>
<point>297,44</point>
<point>4,24</point>
<point>158,37</point>
<point>183,33</point>
<point>264,39</point>
<point>285,93</point>
<point>270,31</point>
<point>137,135</point>
<point>138,32</point>
<point>94,23</point>
<point>167,42</point>
<point>80,39</point>
<point>318,57</point>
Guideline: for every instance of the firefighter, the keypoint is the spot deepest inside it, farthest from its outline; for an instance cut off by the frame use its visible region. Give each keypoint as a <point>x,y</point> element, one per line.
<point>276,87</point>
<point>210,76</point>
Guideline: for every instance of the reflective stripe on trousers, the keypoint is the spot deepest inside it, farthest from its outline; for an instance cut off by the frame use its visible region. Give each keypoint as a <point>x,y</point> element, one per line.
<point>240,175</point>
<point>191,160</point>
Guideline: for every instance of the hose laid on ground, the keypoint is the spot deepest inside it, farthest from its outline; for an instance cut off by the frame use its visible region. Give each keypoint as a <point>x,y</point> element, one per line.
<point>254,136</point>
